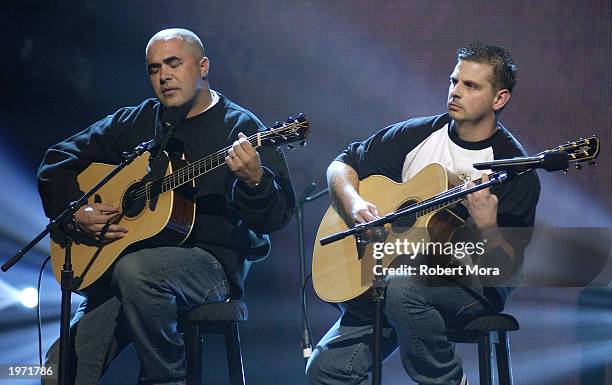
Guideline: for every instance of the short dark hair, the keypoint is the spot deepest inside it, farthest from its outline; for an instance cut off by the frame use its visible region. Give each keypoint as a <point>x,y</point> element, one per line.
<point>504,70</point>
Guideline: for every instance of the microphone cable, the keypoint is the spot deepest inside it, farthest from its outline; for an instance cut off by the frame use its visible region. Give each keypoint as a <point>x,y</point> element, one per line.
<point>307,350</point>
<point>38,318</point>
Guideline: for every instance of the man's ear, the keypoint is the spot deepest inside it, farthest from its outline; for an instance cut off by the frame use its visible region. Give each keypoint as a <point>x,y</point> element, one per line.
<point>502,97</point>
<point>204,63</point>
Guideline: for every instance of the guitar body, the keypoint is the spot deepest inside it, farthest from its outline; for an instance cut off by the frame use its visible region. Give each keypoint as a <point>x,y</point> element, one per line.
<point>169,220</point>
<point>338,273</point>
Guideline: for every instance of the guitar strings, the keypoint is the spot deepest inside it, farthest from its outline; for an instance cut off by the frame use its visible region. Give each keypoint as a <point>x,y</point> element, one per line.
<point>442,195</point>
<point>169,182</point>
<point>165,183</point>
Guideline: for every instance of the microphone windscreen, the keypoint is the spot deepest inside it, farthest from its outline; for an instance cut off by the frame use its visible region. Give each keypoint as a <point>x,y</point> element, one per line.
<point>175,115</point>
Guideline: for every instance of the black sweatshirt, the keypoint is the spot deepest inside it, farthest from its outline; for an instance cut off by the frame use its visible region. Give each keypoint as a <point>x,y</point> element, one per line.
<point>226,209</point>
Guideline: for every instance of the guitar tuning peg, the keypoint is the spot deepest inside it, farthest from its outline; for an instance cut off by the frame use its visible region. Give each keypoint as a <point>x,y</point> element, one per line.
<point>578,166</point>
<point>277,124</point>
<point>300,116</point>
<point>290,119</point>
<point>290,147</point>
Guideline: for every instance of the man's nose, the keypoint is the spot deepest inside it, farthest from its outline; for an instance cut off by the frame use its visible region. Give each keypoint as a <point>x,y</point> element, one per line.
<point>454,91</point>
<point>164,76</point>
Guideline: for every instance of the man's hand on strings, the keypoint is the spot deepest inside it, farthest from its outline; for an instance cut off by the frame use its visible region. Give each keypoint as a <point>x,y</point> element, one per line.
<point>92,219</point>
<point>244,161</point>
<point>363,211</point>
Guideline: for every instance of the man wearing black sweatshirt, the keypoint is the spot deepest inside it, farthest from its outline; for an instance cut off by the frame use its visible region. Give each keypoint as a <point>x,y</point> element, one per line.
<point>139,298</point>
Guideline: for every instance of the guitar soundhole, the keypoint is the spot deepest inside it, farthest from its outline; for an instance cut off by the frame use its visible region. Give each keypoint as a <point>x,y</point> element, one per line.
<point>404,224</point>
<point>134,200</point>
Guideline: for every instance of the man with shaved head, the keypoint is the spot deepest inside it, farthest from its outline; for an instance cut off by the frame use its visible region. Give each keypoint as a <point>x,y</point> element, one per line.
<point>190,85</point>
<point>138,299</point>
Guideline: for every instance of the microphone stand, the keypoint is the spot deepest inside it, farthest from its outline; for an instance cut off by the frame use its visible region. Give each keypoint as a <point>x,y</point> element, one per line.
<point>305,197</point>
<point>378,284</point>
<point>65,220</point>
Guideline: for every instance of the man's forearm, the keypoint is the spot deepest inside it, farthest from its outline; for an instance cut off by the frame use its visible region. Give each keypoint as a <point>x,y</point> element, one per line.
<point>343,185</point>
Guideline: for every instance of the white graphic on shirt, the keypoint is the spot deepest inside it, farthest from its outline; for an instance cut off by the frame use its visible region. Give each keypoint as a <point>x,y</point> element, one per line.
<point>439,148</point>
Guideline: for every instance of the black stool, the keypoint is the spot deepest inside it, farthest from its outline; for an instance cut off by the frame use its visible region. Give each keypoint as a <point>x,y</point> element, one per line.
<point>217,318</point>
<point>488,331</point>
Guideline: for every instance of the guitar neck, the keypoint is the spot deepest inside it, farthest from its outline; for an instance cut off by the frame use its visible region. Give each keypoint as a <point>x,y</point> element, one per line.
<point>294,130</point>
<point>194,170</point>
<point>454,195</point>
<point>439,206</point>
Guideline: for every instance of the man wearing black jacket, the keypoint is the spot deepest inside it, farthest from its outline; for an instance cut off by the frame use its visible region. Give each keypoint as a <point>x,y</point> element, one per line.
<point>138,299</point>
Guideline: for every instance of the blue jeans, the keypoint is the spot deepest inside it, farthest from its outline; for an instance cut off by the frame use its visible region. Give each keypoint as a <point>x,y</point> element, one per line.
<point>144,293</point>
<point>418,318</point>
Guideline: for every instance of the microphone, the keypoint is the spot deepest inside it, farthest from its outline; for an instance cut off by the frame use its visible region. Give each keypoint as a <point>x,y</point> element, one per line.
<point>174,116</point>
<point>549,161</point>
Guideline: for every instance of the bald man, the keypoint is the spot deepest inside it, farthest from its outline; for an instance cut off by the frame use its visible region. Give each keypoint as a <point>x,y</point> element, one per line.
<point>190,70</point>
<point>138,299</point>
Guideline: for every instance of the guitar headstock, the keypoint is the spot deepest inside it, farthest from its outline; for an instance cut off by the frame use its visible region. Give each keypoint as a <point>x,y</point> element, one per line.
<point>580,151</point>
<point>291,131</point>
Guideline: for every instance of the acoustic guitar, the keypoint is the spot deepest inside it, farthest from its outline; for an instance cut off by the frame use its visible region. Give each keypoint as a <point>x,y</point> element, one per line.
<point>161,210</point>
<point>344,270</point>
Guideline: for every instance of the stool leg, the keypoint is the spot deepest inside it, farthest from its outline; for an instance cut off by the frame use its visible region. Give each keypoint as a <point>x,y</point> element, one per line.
<point>193,353</point>
<point>485,358</point>
<point>503,359</point>
<point>234,355</point>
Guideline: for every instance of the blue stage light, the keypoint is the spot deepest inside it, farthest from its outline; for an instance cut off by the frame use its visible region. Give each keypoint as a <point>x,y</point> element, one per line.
<point>8,295</point>
<point>28,297</point>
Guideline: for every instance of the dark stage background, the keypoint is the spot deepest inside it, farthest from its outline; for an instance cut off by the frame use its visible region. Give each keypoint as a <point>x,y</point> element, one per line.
<point>352,67</point>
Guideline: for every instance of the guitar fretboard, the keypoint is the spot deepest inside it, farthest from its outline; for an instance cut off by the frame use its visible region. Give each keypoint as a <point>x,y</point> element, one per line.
<point>447,198</point>
<point>192,171</point>
<point>186,174</point>
<point>438,207</point>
